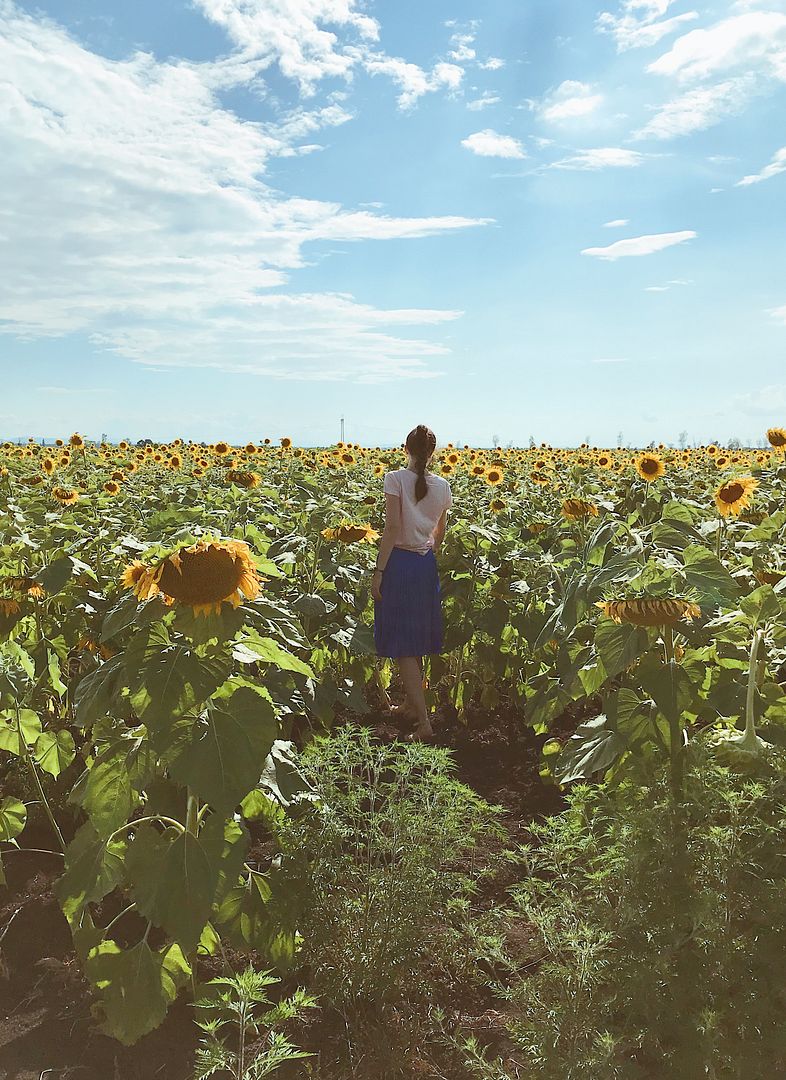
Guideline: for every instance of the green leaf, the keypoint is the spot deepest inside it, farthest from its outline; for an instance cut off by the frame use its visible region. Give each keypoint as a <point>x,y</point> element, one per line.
<point>93,868</point>
<point>135,988</point>
<point>13,816</point>
<point>173,882</point>
<point>55,680</point>
<point>221,756</point>
<point>97,690</point>
<point>120,617</point>
<point>761,605</point>
<point>9,732</point>
<point>169,678</point>
<point>55,751</point>
<point>55,576</point>
<point>109,796</point>
<point>592,748</point>
<point>282,775</point>
<point>619,644</point>
<point>709,577</point>
<point>254,647</point>
<point>668,685</point>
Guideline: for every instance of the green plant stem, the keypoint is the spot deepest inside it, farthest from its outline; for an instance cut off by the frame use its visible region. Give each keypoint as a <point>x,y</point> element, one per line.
<point>675,727</point>
<point>37,781</point>
<point>750,697</point>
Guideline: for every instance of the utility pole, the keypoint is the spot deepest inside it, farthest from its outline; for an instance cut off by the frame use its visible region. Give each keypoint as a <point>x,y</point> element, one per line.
<point>342,428</point>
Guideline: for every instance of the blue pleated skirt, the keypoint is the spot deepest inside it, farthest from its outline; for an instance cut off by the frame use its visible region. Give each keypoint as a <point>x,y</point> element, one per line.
<point>408,618</point>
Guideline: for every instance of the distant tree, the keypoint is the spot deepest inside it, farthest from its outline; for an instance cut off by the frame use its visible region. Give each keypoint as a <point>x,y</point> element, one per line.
<point>495,441</point>
<point>620,439</point>
<point>735,443</point>
<point>532,443</point>
<point>683,440</point>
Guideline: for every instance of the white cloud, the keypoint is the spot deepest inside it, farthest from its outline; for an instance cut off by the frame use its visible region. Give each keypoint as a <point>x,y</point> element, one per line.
<point>486,98</point>
<point>656,288</point>
<point>462,51</point>
<point>494,63</point>
<point>779,313</point>
<point>617,223</point>
<point>776,166</point>
<point>604,157</point>
<point>155,234</point>
<point>489,143</point>
<point>753,41</point>
<point>413,80</point>
<point>639,245</point>
<point>569,101</point>
<point>640,25</point>
<point>698,109</point>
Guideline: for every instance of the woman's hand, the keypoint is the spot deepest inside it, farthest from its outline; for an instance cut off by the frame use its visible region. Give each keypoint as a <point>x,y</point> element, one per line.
<point>376,591</point>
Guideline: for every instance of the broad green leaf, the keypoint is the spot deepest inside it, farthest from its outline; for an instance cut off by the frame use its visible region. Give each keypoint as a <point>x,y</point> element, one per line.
<point>54,751</point>
<point>710,578</point>
<point>221,756</point>
<point>55,679</point>
<point>97,690</point>
<point>93,868</point>
<point>592,748</point>
<point>9,730</point>
<point>13,815</point>
<point>619,644</point>
<point>254,647</point>
<point>173,882</point>
<point>135,989</point>
<point>55,576</point>
<point>121,616</point>
<point>761,605</point>
<point>109,795</point>
<point>281,774</point>
<point>667,684</point>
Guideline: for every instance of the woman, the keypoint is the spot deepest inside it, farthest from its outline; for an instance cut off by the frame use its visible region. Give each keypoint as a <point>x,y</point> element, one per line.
<point>405,587</point>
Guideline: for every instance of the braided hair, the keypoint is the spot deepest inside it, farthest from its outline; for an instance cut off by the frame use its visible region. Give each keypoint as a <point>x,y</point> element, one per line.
<point>421,443</point>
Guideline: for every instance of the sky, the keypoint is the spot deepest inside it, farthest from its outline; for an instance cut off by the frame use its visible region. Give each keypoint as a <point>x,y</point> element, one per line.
<point>238,219</point>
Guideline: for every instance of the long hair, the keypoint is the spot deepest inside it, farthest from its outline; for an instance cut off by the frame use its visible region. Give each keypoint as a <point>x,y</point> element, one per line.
<point>421,443</point>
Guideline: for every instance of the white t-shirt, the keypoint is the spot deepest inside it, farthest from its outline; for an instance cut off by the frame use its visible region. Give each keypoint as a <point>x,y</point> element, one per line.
<point>418,519</point>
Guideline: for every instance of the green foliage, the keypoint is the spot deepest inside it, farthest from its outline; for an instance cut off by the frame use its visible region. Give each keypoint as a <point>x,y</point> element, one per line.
<point>233,1010</point>
<point>661,929</point>
<point>382,851</point>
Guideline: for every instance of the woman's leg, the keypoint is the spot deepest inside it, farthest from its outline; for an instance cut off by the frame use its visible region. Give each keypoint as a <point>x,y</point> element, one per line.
<point>412,678</point>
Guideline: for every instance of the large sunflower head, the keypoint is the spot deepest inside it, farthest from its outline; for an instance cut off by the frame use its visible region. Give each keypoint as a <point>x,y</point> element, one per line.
<point>201,577</point>
<point>494,476</point>
<point>575,509</point>
<point>65,496</point>
<point>349,533</point>
<point>649,611</point>
<point>649,466</point>
<point>77,441</point>
<point>776,436</point>
<point>243,479</point>
<point>734,495</point>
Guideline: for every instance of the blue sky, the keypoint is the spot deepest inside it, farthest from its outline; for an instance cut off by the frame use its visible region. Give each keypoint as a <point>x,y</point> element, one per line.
<point>247,218</point>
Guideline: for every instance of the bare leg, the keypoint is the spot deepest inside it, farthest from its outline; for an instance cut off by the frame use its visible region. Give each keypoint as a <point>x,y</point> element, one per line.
<point>412,678</point>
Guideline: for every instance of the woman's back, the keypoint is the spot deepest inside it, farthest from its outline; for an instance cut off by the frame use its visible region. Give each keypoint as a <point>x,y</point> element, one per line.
<point>418,519</point>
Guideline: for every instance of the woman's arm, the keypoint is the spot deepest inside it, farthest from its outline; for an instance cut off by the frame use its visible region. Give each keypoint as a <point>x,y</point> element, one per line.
<point>392,527</point>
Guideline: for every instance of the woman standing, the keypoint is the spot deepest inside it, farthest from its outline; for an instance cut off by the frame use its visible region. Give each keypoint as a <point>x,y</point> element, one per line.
<point>405,589</point>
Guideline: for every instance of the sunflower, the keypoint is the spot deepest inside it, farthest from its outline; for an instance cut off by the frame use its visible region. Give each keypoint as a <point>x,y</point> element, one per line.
<point>650,467</point>
<point>574,509</point>
<point>9,607</point>
<point>32,481</point>
<point>111,487</point>
<point>776,436</point>
<point>286,442</point>
<point>453,458</point>
<point>48,466</point>
<point>77,441</point>
<point>446,468</point>
<point>26,585</point>
<point>734,495</point>
<point>497,505</point>
<point>349,533</point>
<point>604,461</point>
<point>243,479</point>
<point>494,476</point>
<point>201,577</point>
<point>347,458</point>
<point>478,470</point>
<point>65,496</point>
<point>537,527</point>
<point>221,448</point>
<point>539,478</point>
<point>649,611</point>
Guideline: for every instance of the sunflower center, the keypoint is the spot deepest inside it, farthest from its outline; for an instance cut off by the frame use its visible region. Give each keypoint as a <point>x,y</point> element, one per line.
<point>649,466</point>
<point>205,577</point>
<point>731,492</point>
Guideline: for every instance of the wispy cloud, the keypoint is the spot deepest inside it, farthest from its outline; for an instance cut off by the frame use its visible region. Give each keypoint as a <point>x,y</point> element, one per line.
<point>156,235</point>
<point>752,41</point>
<point>775,167</point>
<point>617,223</point>
<point>490,143</point>
<point>639,245</point>
<point>698,109</point>
<point>606,157</point>
<point>640,23</point>
<point>570,101</point>
<point>486,98</point>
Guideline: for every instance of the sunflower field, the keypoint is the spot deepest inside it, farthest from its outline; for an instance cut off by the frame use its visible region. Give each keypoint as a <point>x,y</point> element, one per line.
<point>174,619</point>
